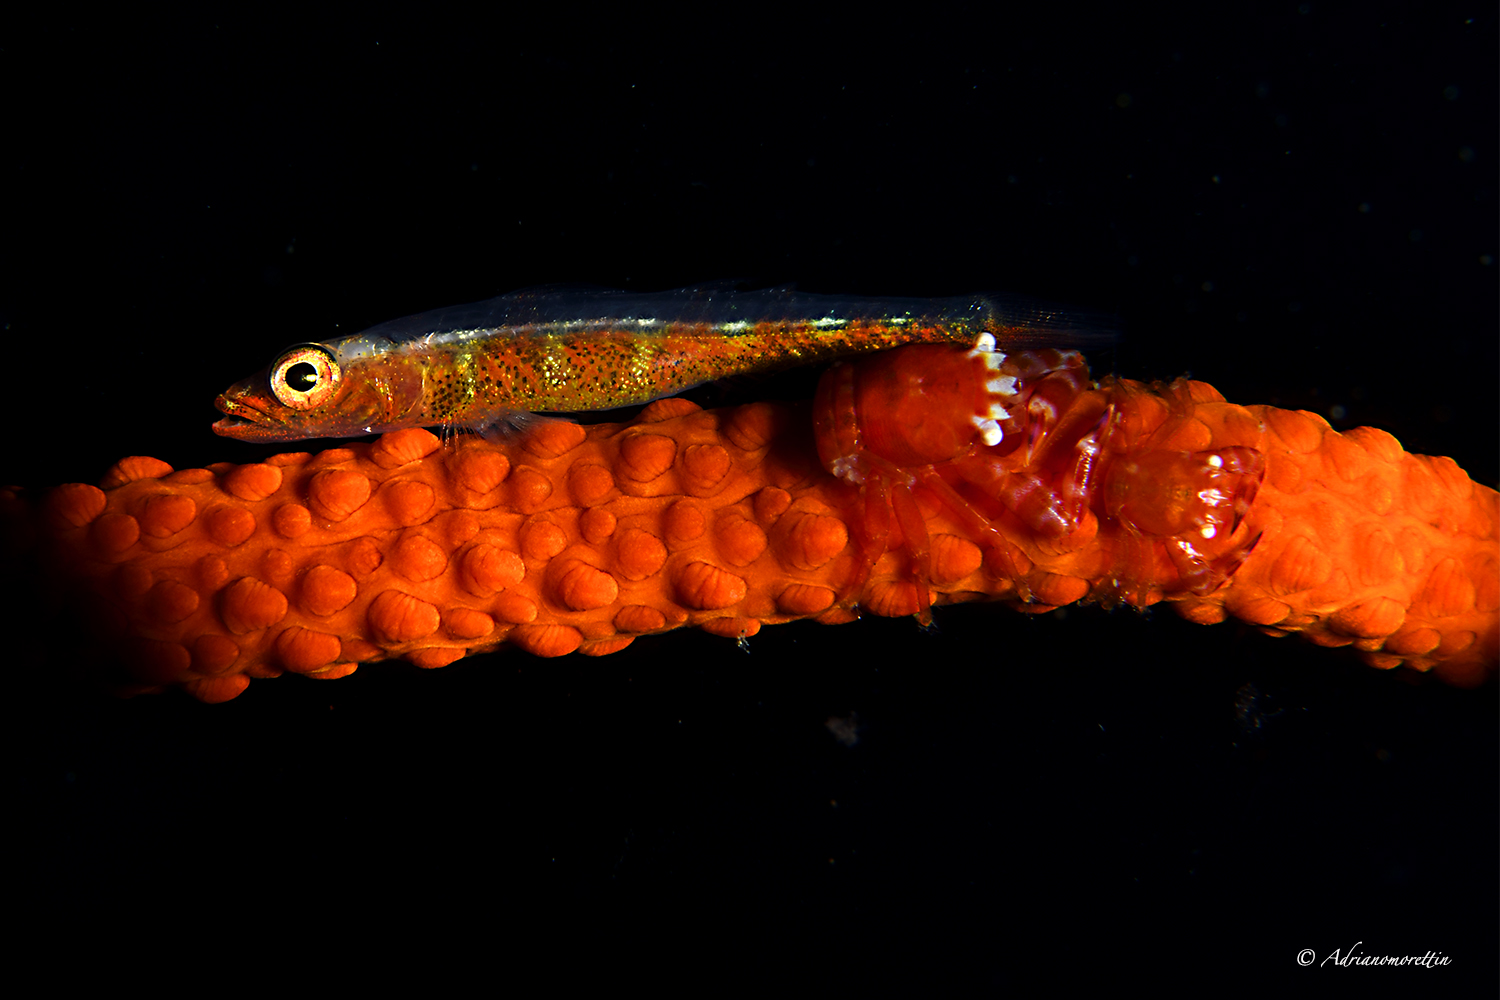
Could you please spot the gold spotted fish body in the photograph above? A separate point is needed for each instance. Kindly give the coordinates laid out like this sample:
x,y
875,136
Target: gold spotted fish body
x,y
479,366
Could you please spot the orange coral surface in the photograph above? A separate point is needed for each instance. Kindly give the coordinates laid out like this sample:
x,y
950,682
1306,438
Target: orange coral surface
x,y
579,539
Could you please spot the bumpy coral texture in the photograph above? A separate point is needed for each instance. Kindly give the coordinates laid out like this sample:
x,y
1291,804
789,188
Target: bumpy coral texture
x,y
579,539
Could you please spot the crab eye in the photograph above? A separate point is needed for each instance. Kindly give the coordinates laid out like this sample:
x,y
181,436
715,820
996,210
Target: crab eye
x,y
305,376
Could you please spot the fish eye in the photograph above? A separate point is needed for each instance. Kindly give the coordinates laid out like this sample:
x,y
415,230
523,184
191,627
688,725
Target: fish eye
x,y
305,376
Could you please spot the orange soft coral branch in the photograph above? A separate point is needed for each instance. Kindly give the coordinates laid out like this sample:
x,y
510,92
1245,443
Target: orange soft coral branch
x,y
580,539
1363,545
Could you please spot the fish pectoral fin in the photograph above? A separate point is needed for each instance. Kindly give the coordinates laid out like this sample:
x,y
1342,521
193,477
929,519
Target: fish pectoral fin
x,y
508,426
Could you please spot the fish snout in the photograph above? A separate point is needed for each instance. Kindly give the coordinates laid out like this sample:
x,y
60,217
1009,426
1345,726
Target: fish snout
x,y
244,414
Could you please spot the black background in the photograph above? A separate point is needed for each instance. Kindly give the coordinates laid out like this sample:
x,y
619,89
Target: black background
x,y
1294,203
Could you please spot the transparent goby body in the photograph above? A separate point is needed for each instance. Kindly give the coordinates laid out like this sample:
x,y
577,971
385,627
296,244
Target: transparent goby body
x,y
480,366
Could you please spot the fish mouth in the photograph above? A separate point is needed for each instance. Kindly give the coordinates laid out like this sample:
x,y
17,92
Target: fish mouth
x,y
238,417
